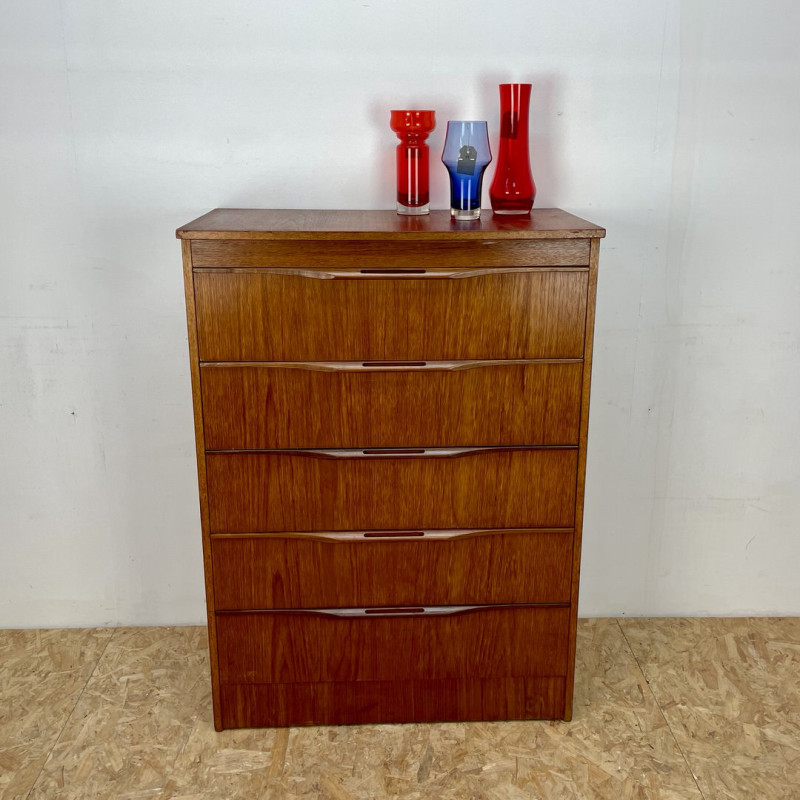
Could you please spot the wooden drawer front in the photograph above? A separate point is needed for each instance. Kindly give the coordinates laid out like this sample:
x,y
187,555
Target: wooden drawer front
x,y
490,642
275,406
491,253
280,317
306,572
349,703
297,491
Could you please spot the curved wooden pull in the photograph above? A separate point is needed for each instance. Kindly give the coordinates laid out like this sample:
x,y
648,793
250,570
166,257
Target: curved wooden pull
x,y
435,273
398,611
388,366
396,452
394,274
428,535
403,365
399,452
402,274
390,611
404,451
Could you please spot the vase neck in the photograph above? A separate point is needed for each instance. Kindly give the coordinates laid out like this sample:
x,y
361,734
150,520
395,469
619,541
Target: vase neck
x,y
413,138
514,110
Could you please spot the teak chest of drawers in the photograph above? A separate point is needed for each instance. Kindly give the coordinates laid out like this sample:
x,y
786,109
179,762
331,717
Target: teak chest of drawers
x,y
391,418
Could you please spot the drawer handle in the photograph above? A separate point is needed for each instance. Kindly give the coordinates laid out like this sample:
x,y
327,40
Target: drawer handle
x,y
381,272
391,611
400,452
407,451
339,537
412,452
394,610
402,611
435,273
436,452
388,366
398,274
395,364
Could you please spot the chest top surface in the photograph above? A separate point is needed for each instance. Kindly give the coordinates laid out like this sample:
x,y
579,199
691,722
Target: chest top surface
x,y
266,224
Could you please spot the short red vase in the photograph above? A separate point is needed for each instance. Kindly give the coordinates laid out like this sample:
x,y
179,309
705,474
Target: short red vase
x,y
513,190
412,128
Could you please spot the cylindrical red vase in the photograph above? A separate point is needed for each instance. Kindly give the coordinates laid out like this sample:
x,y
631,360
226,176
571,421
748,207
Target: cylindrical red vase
x,y
412,128
513,190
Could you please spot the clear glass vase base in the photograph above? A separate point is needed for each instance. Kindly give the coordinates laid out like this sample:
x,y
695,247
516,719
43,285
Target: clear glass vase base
x,y
465,213
505,212
413,211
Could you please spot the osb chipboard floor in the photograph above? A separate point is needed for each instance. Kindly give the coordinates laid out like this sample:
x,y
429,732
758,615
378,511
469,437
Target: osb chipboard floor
x,y
664,709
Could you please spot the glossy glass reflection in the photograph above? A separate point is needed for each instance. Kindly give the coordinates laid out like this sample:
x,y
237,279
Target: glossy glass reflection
x,y
513,190
412,128
466,156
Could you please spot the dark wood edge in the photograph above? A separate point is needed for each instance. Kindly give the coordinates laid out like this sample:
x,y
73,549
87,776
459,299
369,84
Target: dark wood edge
x,y
581,473
416,236
197,405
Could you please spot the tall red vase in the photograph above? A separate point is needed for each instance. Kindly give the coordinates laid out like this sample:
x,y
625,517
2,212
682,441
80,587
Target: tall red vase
x,y
513,190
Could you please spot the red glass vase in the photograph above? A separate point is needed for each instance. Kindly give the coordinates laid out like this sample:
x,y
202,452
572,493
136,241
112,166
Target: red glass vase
x,y
412,128
513,190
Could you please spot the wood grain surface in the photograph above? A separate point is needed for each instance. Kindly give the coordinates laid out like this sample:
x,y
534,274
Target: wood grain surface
x,y
581,467
278,317
331,225
390,412
294,491
491,642
500,253
199,433
303,572
285,704
302,405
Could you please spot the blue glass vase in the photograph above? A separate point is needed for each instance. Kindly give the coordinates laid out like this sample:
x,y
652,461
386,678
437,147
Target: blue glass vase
x,y
466,156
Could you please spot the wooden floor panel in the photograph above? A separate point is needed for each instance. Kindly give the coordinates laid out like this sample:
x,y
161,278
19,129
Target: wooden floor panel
x,y
655,701
730,690
42,675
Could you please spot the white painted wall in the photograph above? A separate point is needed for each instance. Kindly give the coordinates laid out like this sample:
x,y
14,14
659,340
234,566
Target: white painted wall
x,y
673,124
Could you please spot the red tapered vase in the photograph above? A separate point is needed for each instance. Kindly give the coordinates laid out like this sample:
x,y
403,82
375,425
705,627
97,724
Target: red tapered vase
x,y
513,190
